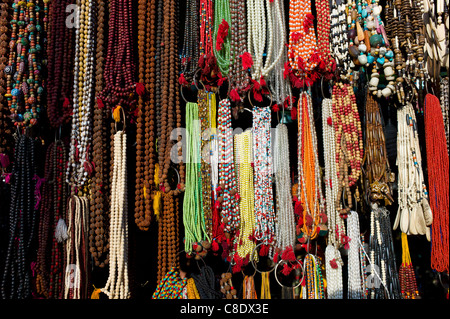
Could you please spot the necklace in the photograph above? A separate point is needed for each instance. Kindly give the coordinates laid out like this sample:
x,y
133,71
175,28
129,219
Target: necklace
x,y
445,109
285,219
414,214
339,39
190,52
243,150
171,286
437,163
407,276
314,279
333,268
356,283
327,64
262,159
222,36
117,285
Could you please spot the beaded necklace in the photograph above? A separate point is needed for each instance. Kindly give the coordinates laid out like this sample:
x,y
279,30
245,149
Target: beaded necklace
x,y
222,19
145,133
244,156
79,160
414,214
190,52
285,219
336,225
438,171
333,269
327,64
171,286
444,89
406,273
228,193
117,285
100,186
16,280
314,279
349,142
24,69
356,282
310,190
339,39
206,27
193,218
262,159
302,50
60,54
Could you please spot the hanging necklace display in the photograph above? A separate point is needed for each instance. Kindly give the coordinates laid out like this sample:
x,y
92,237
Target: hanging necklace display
x,y
52,226
226,286
101,139
414,215
327,65
145,133
243,148
310,188
171,286
190,52
314,288
263,177
25,69
60,66
17,277
285,219
80,167
333,271
117,285
438,171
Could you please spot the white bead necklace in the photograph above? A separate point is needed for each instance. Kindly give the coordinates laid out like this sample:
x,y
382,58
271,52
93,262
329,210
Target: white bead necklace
x,y
117,285
355,283
414,215
333,268
285,222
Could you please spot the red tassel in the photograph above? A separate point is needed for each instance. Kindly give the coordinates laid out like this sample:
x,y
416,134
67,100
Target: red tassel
x,y
182,80
215,246
221,34
287,70
264,250
275,108
66,102
100,103
333,263
221,80
247,60
286,270
296,36
140,89
275,258
329,121
294,113
234,95
288,254
262,81
257,95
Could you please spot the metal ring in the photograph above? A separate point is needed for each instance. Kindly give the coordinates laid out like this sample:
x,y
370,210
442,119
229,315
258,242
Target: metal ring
x,y
303,274
253,263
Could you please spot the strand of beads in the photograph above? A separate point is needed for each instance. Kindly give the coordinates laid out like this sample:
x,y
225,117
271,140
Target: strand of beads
x,y
335,223
117,285
79,159
171,286
310,189
256,35
75,272
406,273
193,218
60,54
228,197
302,41
278,84
190,52
323,38
262,159
438,175
314,280
339,39
356,286
244,156
24,70
414,214
333,270
285,220
17,278
206,27
222,53
445,109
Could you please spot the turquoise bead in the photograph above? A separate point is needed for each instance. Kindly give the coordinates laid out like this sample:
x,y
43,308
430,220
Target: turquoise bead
x,y
370,59
380,60
389,54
